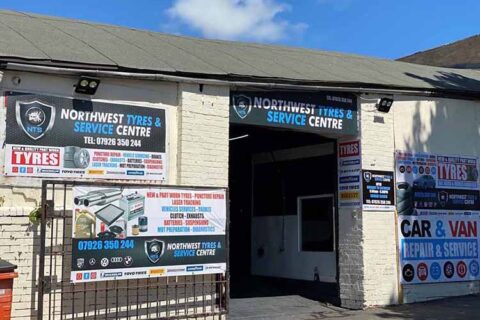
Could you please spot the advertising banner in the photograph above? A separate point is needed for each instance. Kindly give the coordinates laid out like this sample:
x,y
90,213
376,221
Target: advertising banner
x,y
314,111
438,247
132,233
425,181
349,171
438,211
378,190
57,137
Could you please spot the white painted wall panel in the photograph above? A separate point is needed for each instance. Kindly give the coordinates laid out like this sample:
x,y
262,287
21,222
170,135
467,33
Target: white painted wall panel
x,y
290,262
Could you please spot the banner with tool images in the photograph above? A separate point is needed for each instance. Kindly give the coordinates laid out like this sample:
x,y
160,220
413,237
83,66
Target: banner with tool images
x,y
134,232
56,137
438,205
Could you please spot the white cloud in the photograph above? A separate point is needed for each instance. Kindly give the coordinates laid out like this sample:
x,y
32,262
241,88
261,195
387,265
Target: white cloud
x,y
236,19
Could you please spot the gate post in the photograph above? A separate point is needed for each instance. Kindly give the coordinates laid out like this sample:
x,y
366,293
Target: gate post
x,y
41,268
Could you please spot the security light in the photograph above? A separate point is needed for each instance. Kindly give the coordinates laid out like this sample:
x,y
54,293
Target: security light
x,y
87,85
384,105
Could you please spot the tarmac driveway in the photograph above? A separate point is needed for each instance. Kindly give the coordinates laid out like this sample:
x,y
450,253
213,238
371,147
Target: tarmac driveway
x,y
297,307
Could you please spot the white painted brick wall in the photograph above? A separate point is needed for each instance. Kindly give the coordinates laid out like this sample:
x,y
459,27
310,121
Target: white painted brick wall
x,y
203,135
379,240
350,259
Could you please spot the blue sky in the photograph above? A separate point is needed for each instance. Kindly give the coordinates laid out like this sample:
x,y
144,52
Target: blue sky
x,y
381,28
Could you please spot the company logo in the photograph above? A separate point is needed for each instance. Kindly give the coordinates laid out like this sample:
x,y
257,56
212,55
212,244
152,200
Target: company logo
x,y
35,118
242,105
443,198
212,267
80,263
461,269
422,271
353,162
93,275
116,259
104,262
435,271
92,261
408,272
159,272
104,275
128,261
349,149
194,268
349,179
448,269
154,249
349,195
79,276
367,176
474,268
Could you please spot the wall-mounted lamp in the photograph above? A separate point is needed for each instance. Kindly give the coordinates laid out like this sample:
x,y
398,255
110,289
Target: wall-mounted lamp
x,y
384,104
87,85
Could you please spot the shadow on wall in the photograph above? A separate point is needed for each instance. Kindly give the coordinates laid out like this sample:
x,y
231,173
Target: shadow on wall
x,y
430,131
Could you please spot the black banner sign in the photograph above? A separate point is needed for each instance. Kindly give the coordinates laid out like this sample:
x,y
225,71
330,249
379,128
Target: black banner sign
x,y
50,136
307,111
378,190
147,252
446,199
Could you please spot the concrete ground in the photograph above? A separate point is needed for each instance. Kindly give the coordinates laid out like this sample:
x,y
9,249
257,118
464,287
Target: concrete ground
x,y
299,308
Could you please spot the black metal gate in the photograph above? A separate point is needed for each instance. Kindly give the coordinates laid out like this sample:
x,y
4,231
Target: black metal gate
x,y
174,297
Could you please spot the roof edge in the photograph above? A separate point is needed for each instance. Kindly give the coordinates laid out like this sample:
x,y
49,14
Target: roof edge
x,y
239,80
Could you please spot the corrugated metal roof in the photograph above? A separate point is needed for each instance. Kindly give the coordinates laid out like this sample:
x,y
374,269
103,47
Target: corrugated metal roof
x,y
57,41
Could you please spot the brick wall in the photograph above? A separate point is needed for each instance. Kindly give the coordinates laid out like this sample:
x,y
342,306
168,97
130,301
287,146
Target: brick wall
x,y
379,240
367,245
19,243
203,135
350,258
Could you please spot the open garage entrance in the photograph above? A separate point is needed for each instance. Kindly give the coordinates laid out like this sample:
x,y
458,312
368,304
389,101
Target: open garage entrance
x,y
282,211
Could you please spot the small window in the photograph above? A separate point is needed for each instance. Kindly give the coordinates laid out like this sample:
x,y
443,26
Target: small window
x,y
316,223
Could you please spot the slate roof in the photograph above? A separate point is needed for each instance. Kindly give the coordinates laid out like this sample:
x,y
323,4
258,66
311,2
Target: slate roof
x,y
32,38
462,54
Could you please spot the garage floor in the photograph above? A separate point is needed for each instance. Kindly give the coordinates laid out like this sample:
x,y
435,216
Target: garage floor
x,y
247,286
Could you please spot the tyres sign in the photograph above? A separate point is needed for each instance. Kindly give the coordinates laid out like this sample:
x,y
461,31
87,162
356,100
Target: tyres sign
x,y
60,137
349,171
